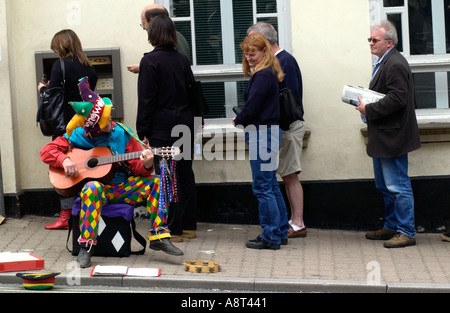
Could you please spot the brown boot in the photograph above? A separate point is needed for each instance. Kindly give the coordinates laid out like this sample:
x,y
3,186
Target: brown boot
x,y
189,234
399,241
445,236
380,234
62,222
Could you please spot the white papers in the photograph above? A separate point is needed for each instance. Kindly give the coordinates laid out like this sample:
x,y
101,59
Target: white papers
x,y
351,93
15,257
117,270
144,272
106,270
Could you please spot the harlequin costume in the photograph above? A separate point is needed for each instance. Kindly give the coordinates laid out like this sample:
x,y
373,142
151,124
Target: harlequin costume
x,y
132,183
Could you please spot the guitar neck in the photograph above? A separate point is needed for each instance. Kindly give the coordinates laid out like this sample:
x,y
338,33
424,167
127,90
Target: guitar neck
x,y
131,155
119,157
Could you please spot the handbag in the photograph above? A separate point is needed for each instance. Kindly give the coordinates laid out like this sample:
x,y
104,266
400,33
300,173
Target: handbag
x,y
197,99
51,109
198,102
290,108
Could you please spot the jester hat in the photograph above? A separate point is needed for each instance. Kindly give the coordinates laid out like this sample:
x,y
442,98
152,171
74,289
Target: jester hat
x,y
93,113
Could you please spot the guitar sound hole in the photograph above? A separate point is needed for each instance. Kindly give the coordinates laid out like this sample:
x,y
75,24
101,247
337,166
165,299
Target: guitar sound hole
x,y
92,163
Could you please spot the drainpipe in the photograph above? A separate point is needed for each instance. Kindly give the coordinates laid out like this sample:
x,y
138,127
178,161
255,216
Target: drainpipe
x,y
2,199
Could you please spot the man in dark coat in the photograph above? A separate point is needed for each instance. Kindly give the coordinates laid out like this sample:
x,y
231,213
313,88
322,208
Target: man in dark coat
x,y
392,134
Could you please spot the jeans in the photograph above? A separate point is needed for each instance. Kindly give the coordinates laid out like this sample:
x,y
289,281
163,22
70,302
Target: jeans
x,y
263,147
392,180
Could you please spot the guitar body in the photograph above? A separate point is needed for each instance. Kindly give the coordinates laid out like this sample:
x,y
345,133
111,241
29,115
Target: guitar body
x,y
68,186
96,164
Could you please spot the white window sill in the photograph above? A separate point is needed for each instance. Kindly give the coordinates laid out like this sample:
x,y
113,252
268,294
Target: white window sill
x,y
216,131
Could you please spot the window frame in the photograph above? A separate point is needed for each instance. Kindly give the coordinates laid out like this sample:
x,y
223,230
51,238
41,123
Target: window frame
x,y
434,125
231,72
437,63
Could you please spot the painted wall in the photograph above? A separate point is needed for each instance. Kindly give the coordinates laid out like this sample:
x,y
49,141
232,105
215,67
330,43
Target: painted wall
x,y
329,42
29,27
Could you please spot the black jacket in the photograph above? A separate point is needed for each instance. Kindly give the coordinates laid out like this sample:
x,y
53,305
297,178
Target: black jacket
x,y
163,95
391,122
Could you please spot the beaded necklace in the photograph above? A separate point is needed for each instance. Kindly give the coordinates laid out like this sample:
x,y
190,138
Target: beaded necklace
x,y
168,182
168,190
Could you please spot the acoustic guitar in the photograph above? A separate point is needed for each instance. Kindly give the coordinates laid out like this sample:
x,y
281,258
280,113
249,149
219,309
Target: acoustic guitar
x,y
95,164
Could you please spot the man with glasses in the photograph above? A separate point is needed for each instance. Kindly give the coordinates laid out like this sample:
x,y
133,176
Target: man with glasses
x,y
392,133
147,14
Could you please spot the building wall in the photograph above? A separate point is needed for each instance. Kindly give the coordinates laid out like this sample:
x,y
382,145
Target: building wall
x,y
9,153
30,26
329,42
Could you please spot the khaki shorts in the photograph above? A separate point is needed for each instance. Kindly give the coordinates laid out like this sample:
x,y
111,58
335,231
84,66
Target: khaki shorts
x,y
291,149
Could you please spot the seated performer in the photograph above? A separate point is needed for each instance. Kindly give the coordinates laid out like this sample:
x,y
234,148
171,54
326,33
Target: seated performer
x,y
132,182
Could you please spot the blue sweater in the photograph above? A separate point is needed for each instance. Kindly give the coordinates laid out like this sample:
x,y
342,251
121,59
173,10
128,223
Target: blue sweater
x,y
262,103
293,75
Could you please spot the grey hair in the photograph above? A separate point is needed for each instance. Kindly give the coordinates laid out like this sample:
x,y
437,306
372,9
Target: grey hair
x,y
389,28
265,29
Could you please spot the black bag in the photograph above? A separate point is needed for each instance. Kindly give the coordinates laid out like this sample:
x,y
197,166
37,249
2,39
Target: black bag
x,y
197,99
290,108
51,109
113,241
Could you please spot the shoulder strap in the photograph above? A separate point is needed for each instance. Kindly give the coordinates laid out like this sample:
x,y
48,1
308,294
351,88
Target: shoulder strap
x,y
138,238
68,234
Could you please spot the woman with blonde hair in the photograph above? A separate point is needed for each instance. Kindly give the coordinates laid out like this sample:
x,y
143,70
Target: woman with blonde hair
x,y
67,46
260,117
253,44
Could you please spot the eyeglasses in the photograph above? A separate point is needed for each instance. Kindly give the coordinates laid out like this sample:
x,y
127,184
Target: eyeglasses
x,y
374,40
144,24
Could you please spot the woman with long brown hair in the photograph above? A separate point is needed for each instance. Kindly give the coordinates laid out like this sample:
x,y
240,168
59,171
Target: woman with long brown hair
x,y
67,46
260,117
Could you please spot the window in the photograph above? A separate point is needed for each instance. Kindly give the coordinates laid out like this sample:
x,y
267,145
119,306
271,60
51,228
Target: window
x,y
214,30
423,27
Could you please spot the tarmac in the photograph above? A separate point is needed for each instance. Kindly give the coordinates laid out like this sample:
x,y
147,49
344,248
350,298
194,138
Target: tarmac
x,y
326,261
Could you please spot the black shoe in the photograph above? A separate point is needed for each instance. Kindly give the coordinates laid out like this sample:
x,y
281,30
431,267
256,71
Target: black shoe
x,y
166,246
284,242
84,256
260,243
